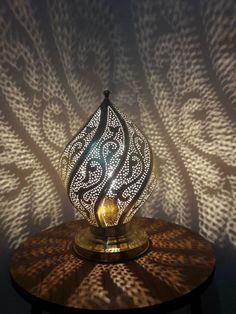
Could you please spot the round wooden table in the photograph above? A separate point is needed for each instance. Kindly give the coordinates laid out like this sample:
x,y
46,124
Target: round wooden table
x,y
175,271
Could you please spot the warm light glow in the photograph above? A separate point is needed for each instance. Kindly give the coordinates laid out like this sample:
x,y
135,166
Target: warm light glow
x,y
107,168
182,96
107,212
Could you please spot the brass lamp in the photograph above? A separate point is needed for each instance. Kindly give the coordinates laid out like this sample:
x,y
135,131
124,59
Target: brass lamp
x,y
107,169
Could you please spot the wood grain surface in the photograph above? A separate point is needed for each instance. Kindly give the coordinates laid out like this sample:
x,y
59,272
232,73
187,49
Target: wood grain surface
x,y
178,262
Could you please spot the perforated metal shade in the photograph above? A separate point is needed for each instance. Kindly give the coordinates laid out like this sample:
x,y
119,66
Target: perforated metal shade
x,y
107,168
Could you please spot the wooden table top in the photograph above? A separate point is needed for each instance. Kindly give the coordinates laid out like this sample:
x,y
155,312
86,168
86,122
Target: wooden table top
x,y
178,262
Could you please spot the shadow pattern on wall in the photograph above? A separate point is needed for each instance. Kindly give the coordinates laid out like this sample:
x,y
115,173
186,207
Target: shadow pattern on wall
x,y
171,67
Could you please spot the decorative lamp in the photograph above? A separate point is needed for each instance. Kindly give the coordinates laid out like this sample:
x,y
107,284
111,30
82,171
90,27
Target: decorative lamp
x,y
107,170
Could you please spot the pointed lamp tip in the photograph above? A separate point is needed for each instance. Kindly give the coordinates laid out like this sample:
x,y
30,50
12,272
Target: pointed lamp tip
x,y
106,93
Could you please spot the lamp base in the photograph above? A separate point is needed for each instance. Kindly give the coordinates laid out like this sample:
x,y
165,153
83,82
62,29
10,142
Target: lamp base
x,y
111,244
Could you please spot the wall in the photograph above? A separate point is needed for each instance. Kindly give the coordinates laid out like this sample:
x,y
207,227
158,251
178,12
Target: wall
x,y
170,66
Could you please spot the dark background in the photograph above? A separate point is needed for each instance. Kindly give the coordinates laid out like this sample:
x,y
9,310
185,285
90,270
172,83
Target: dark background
x,y
171,66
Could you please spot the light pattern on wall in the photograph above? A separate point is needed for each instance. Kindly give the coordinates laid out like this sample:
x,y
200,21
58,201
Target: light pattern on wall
x,y
171,67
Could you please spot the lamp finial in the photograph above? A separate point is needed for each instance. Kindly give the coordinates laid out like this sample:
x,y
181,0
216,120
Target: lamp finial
x,y
106,93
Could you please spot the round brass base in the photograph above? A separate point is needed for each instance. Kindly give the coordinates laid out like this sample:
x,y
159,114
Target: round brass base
x,y
111,244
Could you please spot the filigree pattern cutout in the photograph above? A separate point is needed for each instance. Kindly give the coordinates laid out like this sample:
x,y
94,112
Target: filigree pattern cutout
x,y
176,80
133,173
98,166
77,146
116,165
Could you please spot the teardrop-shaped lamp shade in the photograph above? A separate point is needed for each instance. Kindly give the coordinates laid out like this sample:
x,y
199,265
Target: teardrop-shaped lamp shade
x,y
107,168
